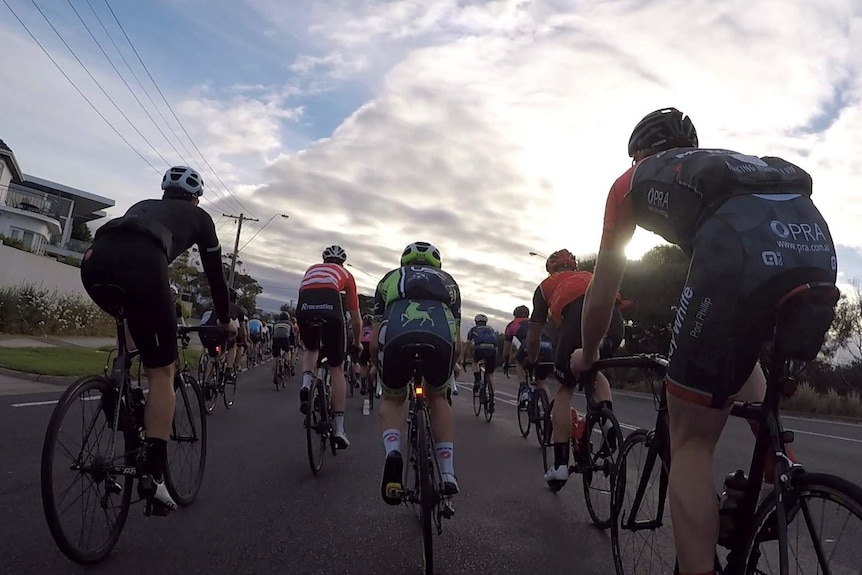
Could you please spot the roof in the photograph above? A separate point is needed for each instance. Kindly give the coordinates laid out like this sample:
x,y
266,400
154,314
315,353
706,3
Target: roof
x,y
85,203
6,151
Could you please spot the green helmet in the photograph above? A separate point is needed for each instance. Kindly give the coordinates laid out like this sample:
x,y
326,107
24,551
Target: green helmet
x,y
423,253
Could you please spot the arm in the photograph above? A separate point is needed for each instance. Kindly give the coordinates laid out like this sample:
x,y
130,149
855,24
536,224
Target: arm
x,y
210,252
353,308
377,318
507,352
537,322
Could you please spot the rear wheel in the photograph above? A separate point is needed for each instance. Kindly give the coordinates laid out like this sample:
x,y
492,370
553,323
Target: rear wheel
x,y
427,495
85,504
543,424
229,388
489,401
211,388
524,417
187,449
477,401
603,442
315,421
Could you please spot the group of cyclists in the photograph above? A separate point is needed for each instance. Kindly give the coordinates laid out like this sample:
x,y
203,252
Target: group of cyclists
x,y
747,224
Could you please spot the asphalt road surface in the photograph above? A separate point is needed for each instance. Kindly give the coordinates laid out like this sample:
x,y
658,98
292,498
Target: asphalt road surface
x,y
260,510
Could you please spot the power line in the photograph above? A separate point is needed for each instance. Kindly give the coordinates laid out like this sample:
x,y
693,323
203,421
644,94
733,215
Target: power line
x,y
87,70
77,89
159,90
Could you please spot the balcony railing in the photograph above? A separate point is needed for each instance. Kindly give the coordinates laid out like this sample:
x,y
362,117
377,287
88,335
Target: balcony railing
x,y
44,204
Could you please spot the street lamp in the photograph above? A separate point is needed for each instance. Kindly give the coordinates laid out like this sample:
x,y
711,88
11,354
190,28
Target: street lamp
x,y
538,255
361,270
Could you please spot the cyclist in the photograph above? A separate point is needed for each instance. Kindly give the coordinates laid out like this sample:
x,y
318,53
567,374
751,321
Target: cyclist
x,y
416,303
484,340
365,374
282,331
320,300
178,306
517,329
255,334
133,253
561,296
753,234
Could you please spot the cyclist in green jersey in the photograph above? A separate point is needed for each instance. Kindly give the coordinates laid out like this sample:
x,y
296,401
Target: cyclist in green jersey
x,y
416,303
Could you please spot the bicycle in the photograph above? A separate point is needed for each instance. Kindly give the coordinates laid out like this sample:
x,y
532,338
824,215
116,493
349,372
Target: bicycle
x,y
754,529
280,368
319,416
110,467
427,491
594,452
538,410
220,382
483,398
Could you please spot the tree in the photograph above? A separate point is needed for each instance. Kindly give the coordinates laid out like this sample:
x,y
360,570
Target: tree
x,y
289,308
846,332
81,232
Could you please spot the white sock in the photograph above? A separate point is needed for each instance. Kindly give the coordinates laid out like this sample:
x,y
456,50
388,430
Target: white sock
x,y
391,440
307,376
446,456
339,422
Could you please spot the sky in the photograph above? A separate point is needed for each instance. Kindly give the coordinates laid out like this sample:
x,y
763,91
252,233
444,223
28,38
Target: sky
x,y
488,128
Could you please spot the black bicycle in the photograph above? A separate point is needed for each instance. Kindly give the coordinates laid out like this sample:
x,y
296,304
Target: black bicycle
x,y
280,370
595,453
537,412
102,460
221,381
483,398
427,481
319,417
754,529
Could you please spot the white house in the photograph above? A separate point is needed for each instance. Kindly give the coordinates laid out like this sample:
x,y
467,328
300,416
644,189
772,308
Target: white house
x,y
41,213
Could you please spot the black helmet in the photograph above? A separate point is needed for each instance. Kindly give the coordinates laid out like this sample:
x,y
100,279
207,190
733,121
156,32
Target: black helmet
x,y
521,311
662,130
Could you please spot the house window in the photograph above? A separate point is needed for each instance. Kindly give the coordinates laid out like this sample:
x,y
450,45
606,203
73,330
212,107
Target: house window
x,y
16,233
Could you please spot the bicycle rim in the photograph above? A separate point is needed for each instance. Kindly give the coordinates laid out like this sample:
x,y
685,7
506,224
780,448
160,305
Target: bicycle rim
x,y
477,403
599,476
819,541
427,496
489,402
524,417
96,509
314,420
187,449
644,535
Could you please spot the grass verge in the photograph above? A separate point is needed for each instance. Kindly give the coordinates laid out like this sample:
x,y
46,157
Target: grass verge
x,y
67,360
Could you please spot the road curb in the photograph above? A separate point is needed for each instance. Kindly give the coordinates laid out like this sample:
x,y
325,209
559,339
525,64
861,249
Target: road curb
x,y
60,380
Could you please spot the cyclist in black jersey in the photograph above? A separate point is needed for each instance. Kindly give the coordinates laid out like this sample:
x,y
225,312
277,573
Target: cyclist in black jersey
x,y
133,253
753,235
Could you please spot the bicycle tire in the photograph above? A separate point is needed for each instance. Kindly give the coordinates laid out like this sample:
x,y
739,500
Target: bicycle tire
x,y
229,391
370,393
489,401
601,467
804,486
66,544
314,420
211,391
525,414
189,405
477,402
629,473
427,497
543,419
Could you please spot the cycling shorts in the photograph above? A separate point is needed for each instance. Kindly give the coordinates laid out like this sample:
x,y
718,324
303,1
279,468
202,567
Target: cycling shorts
x,y
255,337
322,305
569,340
137,264
486,353
748,255
546,355
280,344
429,323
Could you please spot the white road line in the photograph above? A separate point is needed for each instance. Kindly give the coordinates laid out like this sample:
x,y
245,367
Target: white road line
x,y
826,435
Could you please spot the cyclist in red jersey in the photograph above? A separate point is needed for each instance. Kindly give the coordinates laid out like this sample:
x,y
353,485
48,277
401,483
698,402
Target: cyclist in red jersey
x,y
320,300
561,296
734,215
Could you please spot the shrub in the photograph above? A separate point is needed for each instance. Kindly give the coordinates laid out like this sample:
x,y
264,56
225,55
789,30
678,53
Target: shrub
x,y
13,243
37,311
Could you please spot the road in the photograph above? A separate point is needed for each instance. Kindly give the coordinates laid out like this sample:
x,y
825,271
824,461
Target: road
x,y
261,511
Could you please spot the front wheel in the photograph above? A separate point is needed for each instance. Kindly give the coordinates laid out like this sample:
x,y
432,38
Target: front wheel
x,y
823,516
602,438
187,449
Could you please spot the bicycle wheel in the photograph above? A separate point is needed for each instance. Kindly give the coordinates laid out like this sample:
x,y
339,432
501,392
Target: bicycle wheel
x,y
603,442
427,496
315,422
369,392
641,539
819,550
489,401
187,449
477,402
229,391
543,419
211,390
83,459
525,416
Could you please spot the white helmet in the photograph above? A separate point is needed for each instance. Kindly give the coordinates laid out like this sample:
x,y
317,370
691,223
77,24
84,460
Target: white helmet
x,y
336,253
184,179
481,318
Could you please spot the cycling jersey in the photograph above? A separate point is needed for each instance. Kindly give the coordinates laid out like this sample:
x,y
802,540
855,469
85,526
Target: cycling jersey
x,y
556,292
331,277
282,329
517,328
482,336
417,282
752,233
255,326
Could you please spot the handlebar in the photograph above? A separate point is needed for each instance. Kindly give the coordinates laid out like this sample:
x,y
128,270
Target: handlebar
x,y
587,379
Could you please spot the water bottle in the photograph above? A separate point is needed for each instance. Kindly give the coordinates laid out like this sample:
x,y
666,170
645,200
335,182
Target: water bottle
x,y
366,407
734,490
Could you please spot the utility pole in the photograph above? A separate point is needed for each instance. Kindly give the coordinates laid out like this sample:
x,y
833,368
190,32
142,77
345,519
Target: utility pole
x,y
240,218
